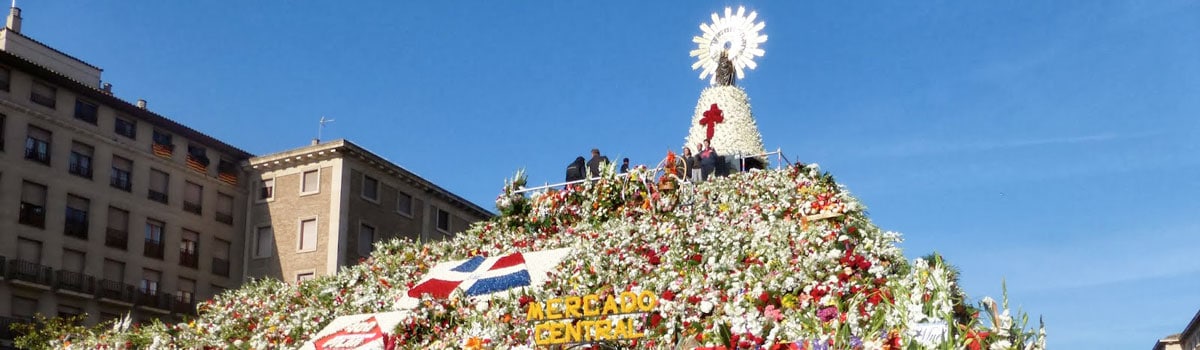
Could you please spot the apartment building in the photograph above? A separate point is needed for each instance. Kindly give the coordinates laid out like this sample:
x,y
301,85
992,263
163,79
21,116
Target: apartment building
x,y
106,207
321,207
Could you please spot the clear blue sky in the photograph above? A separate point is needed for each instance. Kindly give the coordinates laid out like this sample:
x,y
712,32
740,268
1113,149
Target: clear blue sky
x,y
1052,144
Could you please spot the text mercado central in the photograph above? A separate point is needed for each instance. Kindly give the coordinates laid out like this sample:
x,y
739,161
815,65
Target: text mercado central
x,y
577,319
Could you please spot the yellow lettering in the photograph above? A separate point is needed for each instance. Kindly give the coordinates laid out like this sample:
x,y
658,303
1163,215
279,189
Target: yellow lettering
x,y
572,333
647,301
620,329
552,313
610,306
535,312
633,334
556,332
540,333
590,302
572,309
628,302
603,330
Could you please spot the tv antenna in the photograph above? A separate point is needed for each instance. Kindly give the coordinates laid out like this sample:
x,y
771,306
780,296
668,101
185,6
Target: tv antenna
x,y
321,127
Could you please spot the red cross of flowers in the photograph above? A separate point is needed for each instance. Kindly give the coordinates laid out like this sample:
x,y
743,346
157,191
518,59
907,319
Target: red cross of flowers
x,y
711,118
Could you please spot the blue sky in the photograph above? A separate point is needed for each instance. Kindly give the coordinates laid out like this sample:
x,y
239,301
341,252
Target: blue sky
x,y
1052,145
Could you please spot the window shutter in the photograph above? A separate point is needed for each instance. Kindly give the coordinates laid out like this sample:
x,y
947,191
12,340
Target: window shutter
x,y
158,180
73,260
118,219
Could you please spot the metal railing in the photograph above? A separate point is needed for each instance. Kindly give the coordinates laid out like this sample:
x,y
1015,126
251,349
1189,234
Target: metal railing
x,y
115,290
75,281
30,272
157,196
116,239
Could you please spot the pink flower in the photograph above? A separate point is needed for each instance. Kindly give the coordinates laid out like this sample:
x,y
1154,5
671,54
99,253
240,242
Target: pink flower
x,y
773,313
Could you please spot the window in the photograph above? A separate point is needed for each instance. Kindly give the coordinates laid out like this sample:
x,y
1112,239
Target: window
x,y
73,260
197,158
188,249
267,190
158,186
3,122
224,208
150,279
220,260
85,111
193,196
153,246
81,160
305,276
24,308
227,172
264,242
308,235
114,271
43,94
37,145
33,205
117,234
66,311
404,203
126,127
5,75
121,169
443,220
162,145
370,189
310,182
366,239
76,224
186,294
29,250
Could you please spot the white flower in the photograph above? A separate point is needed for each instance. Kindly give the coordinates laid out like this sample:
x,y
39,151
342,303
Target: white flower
x,y
706,306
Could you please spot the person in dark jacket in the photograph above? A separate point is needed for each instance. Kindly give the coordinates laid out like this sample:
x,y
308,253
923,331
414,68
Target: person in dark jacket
x,y
625,165
684,168
593,165
708,161
575,170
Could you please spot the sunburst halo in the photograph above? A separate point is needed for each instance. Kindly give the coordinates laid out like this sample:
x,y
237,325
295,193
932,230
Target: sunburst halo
x,y
736,34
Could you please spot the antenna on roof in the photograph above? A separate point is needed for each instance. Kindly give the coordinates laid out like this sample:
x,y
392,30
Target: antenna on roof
x,y
321,127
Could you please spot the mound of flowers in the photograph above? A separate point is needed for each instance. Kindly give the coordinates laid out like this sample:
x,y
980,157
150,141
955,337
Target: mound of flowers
x,y
775,259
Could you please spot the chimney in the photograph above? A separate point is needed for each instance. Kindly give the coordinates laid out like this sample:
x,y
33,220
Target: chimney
x,y
141,103
107,87
316,141
14,18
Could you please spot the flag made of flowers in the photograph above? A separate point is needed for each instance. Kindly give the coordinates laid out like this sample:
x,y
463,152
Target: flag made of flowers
x,y
482,277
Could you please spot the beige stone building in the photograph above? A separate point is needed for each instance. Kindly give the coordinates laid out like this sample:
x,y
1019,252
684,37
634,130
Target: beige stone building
x,y
108,208
318,208
105,206
1189,339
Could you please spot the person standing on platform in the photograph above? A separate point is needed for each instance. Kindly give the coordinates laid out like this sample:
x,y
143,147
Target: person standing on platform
x,y
685,166
625,165
575,170
708,161
594,164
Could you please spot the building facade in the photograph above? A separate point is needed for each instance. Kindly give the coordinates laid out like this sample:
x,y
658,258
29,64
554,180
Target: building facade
x,y
107,208
319,208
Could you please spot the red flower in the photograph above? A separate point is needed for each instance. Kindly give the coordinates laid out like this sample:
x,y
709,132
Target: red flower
x,y
698,258
764,297
668,295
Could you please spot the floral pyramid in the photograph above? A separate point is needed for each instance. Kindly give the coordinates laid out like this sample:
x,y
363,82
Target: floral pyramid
x,y
774,259
736,133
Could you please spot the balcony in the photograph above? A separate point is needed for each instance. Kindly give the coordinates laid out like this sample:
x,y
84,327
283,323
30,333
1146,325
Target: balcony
x,y
6,332
184,304
157,196
153,299
120,180
76,227
220,267
80,170
115,238
225,218
40,156
191,207
37,274
189,259
197,163
116,291
32,215
75,282
153,249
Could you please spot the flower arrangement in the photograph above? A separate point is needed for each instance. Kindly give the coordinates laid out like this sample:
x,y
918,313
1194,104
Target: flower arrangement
x,y
772,259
